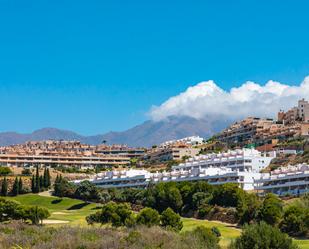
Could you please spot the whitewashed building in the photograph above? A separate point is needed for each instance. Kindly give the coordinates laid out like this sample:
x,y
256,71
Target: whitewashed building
x,y
239,160
291,180
142,178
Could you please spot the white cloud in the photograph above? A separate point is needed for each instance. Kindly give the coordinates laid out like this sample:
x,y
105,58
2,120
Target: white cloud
x,y
250,99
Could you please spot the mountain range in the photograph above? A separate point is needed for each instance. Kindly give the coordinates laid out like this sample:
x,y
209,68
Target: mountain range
x,y
144,135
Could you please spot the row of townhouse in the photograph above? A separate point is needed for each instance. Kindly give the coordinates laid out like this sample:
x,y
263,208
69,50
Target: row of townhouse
x,y
142,178
81,162
290,180
240,159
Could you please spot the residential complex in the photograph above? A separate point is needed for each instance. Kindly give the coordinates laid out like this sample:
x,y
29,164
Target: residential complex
x,y
67,153
193,140
172,153
291,180
142,178
249,160
239,166
244,131
252,130
296,114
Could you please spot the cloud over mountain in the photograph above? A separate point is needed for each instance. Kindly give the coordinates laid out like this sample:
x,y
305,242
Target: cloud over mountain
x,y
250,99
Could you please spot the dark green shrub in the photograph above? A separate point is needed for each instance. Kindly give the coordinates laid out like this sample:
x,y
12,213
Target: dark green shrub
x,y
171,220
262,236
148,217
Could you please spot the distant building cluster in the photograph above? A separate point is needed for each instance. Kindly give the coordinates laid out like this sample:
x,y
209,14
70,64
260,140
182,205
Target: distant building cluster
x,y
253,130
176,150
67,153
193,140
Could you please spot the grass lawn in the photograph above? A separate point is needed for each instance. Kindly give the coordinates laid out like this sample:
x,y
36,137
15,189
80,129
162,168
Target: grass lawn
x,y
66,209
227,232
303,244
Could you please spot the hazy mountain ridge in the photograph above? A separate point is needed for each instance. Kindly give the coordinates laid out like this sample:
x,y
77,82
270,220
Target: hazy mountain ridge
x,y
146,134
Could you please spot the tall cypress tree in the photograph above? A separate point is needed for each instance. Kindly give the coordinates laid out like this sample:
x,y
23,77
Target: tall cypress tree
x,y
15,189
37,180
20,186
41,182
45,178
33,189
4,187
48,178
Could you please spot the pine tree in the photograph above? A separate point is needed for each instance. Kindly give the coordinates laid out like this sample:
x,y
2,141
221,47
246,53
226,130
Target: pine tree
x,y
4,187
33,188
15,189
20,186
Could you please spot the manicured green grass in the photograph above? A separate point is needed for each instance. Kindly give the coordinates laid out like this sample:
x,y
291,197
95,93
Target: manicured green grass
x,y
303,244
228,232
66,209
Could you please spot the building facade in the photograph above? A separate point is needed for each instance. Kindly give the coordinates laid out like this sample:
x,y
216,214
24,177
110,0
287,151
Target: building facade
x,y
300,113
291,180
142,178
249,160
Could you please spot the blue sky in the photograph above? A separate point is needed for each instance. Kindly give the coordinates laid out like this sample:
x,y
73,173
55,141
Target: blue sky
x,y
96,66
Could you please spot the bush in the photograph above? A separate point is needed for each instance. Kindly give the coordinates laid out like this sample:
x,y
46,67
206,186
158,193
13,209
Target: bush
x,y
295,221
26,172
262,236
271,210
5,170
204,237
148,217
171,220
116,214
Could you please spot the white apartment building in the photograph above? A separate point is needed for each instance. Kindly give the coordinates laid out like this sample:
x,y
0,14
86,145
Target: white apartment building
x,y
142,178
292,180
193,140
249,160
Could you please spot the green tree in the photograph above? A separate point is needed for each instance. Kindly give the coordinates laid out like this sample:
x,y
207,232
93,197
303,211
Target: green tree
x,y
36,214
48,181
227,195
204,237
63,187
169,219
148,217
9,209
37,180
5,170
4,187
295,221
116,214
271,210
20,186
33,188
247,208
262,236
86,191
15,189
41,180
